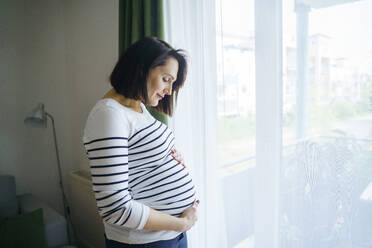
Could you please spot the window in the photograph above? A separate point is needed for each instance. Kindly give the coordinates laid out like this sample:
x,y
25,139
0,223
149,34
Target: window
x,y
327,124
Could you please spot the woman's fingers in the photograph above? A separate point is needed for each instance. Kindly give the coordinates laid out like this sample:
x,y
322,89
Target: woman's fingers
x,y
177,156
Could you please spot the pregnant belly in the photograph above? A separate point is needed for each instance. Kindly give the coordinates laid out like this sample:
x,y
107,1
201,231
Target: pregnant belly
x,y
167,188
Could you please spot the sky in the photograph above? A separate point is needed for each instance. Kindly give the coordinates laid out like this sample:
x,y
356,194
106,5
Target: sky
x,y
348,25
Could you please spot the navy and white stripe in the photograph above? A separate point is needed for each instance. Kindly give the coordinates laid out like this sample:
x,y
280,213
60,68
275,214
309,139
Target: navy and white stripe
x,y
132,167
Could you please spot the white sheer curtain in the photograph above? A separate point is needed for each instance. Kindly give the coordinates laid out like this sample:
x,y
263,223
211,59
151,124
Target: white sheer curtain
x,y
190,25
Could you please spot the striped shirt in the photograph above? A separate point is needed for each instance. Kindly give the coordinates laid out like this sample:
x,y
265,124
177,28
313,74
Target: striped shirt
x,y
133,169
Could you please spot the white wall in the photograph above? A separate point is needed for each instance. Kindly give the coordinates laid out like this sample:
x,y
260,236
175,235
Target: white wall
x,y
59,53
92,50
11,123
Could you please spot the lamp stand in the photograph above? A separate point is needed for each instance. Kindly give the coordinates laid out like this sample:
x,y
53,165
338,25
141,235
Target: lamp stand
x,y
66,210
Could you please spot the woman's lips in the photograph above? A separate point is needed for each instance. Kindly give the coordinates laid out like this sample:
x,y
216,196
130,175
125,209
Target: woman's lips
x,y
160,96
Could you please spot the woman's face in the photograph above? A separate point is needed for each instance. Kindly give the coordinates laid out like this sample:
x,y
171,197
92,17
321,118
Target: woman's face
x,y
160,81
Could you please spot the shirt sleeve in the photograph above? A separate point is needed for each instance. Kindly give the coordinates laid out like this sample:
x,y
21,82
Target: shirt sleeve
x,y
106,143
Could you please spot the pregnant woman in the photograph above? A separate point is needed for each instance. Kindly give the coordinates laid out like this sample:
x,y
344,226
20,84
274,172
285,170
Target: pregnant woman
x,y
144,194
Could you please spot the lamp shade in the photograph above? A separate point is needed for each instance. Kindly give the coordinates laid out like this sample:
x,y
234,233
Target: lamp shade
x,y
37,118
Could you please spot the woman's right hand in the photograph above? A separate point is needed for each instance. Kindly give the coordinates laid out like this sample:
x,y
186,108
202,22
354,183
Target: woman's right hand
x,y
161,221
190,216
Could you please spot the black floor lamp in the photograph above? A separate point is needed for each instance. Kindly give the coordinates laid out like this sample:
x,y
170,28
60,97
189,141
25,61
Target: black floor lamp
x,y
38,119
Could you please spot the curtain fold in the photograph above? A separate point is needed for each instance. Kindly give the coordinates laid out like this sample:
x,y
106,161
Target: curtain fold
x,y
191,26
138,19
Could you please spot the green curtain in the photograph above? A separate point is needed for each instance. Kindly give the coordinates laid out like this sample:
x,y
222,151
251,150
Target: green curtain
x,y
137,19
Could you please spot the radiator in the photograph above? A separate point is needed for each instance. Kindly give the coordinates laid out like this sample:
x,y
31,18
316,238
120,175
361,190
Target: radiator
x,y
87,223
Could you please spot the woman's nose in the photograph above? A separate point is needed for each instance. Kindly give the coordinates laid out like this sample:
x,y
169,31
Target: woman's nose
x,y
168,90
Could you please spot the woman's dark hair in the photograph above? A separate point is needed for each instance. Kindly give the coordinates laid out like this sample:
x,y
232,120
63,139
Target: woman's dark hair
x,y
129,77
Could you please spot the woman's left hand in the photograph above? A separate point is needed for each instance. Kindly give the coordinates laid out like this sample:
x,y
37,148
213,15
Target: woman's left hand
x,y
177,156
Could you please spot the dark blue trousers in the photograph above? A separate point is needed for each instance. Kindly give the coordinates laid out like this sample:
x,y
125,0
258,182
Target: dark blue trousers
x,y
178,242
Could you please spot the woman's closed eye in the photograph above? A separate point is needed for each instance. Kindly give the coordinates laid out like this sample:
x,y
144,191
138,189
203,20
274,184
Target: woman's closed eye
x,y
166,80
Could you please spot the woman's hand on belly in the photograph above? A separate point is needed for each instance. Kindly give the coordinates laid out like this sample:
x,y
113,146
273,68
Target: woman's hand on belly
x,y
190,216
160,221
177,156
